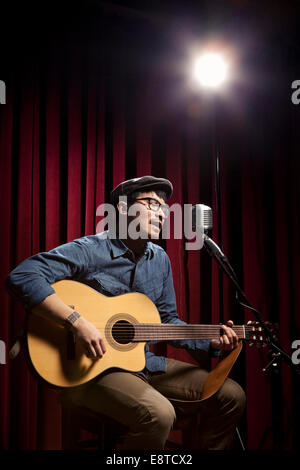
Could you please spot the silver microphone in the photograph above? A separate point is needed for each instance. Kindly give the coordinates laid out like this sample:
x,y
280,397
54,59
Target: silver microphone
x,y
202,218
203,223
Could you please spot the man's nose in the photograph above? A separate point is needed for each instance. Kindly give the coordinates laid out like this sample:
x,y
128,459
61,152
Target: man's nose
x,y
161,214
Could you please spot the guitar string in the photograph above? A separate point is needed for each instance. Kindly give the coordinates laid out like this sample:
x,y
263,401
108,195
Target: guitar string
x,y
162,330
135,331
138,327
175,331
172,325
169,329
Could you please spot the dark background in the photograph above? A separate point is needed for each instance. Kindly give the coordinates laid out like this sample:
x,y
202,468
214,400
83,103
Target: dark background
x,y
97,92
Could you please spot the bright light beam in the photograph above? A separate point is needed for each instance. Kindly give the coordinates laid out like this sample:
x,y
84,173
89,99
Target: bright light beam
x,y
211,70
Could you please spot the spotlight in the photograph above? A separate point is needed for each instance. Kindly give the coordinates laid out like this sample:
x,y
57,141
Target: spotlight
x,y
211,70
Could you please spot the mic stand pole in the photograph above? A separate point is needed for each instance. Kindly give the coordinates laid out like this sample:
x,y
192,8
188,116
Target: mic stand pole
x,y
216,152
277,353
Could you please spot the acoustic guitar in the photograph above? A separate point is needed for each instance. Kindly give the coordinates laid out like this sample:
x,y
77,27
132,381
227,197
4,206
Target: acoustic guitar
x,y
127,322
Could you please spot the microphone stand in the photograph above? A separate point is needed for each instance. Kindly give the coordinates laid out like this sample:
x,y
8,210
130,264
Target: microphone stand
x,y
276,354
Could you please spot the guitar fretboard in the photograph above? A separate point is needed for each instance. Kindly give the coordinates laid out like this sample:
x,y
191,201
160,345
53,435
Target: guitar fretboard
x,y
166,332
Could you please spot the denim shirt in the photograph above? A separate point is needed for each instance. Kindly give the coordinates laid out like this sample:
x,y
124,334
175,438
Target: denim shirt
x,y
109,266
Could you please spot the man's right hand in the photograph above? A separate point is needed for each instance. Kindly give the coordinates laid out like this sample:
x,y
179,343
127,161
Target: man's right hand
x,y
89,338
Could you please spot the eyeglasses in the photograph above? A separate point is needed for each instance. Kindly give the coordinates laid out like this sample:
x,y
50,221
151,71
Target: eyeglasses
x,y
155,206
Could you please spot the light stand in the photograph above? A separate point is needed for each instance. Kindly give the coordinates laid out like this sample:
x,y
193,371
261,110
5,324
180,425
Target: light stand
x,y
211,72
216,150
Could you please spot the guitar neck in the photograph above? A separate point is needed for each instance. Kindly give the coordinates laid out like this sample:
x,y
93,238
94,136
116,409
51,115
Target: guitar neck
x,y
167,332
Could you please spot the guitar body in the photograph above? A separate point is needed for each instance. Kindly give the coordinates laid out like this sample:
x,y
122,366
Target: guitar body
x,y
62,362
127,322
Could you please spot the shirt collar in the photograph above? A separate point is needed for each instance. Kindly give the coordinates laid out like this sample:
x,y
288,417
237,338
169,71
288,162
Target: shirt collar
x,y
118,248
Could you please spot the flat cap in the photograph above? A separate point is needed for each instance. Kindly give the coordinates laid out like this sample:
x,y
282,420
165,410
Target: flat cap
x,y
144,183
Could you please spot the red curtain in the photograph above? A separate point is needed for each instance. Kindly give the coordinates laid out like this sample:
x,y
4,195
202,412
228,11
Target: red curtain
x,y
87,108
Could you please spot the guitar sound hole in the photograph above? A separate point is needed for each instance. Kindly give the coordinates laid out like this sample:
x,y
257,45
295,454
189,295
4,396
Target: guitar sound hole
x,y
123,332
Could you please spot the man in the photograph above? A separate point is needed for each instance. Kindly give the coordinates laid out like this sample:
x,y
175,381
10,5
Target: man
x,y
113,266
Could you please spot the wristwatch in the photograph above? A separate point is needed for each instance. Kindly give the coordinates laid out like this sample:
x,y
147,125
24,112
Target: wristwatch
x,y
71,319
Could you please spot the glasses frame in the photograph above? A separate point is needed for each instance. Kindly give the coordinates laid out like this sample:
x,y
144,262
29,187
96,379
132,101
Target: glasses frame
x,y
164,207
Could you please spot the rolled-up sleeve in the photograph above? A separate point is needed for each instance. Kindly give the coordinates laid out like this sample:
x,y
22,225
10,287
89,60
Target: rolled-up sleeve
x,y
30,282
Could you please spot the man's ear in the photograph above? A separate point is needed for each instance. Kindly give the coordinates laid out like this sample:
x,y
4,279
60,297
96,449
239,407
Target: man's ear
x,y
122,207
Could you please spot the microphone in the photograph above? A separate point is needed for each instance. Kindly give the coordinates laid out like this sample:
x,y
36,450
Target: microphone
x,y
202,222
201,218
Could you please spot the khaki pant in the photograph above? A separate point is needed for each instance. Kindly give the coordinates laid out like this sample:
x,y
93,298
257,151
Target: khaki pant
x,y
148,408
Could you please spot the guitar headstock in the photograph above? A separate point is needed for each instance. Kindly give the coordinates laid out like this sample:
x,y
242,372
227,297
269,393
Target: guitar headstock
x,y
257,335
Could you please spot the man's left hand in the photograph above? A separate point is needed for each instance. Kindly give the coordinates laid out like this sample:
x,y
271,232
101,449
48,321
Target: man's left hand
x,y
228,340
